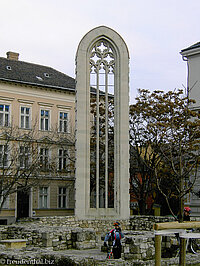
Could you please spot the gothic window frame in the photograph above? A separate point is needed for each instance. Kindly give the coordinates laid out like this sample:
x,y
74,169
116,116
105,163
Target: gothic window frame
x,y
102,59
83,123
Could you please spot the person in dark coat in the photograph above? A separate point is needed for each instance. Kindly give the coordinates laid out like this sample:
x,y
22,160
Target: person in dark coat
x,y
115,235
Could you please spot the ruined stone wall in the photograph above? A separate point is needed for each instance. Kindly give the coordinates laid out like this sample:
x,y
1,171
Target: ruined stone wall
x,y
64,233
136,222
67,232
58,238
138,245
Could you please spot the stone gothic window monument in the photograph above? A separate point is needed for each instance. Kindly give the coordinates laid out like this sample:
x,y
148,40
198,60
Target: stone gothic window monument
x,y
102,126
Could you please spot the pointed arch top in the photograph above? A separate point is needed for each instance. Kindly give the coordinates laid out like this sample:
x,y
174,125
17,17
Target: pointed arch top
x,y
103,32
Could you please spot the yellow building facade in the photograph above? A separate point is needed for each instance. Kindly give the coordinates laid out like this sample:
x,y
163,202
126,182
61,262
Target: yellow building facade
x,y
37,105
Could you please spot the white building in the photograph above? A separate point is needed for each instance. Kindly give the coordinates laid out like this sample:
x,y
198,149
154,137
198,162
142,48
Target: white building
x,y
192,56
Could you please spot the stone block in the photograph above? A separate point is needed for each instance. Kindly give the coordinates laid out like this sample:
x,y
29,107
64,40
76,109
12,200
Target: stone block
x,y
135,249
132,256
45,235
85,245
144,246
69,242
68,236
81,237
143,255
128,240
150,253
14,243
126,249
55,243
47,242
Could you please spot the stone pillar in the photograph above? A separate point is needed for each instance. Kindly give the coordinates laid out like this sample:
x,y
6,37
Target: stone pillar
x,y
114,46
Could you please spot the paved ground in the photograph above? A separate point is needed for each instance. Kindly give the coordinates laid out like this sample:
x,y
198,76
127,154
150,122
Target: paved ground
x,y
37,256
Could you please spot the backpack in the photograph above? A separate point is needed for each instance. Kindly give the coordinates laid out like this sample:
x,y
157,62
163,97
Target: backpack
x,y
115,236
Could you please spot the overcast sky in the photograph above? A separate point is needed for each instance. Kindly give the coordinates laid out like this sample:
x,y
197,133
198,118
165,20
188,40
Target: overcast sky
x,y
48,32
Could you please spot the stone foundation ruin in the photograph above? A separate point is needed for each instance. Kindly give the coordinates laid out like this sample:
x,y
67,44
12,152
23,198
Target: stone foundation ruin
x,y
70,240
67,233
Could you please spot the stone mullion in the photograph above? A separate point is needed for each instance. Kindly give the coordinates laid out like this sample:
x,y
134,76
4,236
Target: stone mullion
x,y
106,138
97,142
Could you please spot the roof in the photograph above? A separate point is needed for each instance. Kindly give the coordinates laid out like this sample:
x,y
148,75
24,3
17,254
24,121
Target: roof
x,y
37,75
33,74
194,46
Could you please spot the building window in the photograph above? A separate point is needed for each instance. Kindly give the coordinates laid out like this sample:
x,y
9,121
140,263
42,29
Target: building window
x,y
25,117
62,197
44,119
3,156
8,67
43,197
4,115
62,155
46,75
63,122
44,158
6,202
24,157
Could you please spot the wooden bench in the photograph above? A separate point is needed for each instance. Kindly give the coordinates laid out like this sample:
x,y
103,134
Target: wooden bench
x,y
14,243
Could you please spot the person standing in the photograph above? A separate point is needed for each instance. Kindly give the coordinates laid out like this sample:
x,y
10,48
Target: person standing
x,y
115,235
186,214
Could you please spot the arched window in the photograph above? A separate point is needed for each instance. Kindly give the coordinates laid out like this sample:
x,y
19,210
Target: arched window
x,y
102,76
102,126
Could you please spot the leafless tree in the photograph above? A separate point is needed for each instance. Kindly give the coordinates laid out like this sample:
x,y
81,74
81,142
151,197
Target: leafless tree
x,y
25,160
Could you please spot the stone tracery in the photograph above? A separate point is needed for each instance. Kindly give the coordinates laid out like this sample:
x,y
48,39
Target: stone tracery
x,y
102,65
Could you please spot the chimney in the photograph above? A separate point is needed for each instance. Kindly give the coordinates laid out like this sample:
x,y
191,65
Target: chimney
x,y
12,56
